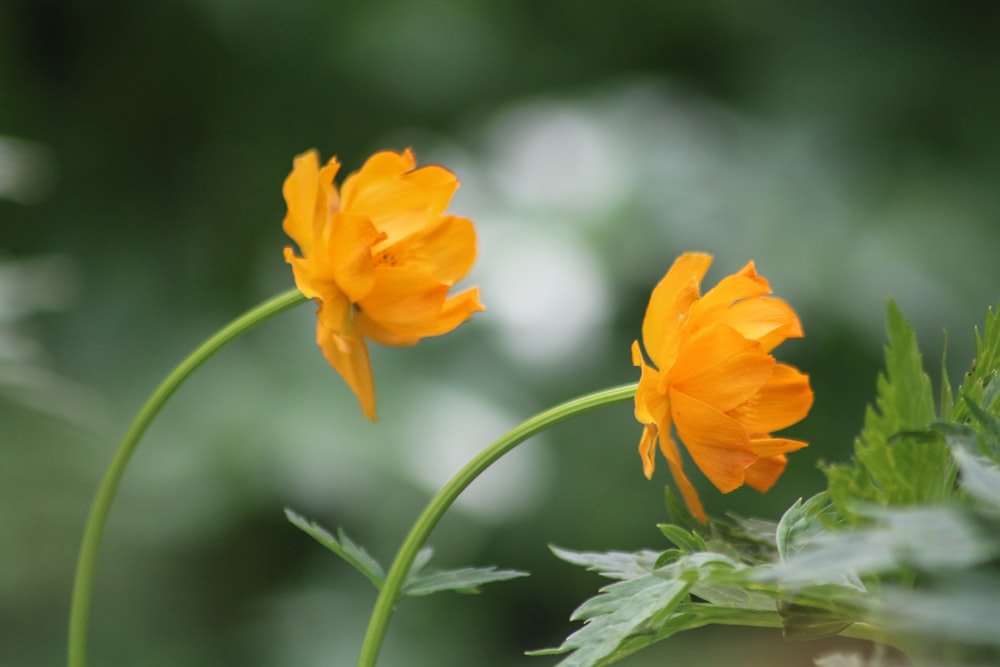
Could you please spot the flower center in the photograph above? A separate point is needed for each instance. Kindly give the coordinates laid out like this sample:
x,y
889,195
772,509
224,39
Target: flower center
x,y
385,257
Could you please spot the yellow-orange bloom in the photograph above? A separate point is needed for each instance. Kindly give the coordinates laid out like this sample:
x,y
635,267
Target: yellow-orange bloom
x,y
379,257
708,371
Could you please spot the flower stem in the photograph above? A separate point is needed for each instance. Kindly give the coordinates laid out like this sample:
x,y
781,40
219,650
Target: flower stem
x,y
439,504
87,560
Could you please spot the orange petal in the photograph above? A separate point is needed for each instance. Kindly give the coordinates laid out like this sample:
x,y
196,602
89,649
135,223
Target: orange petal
x,y
456,310
651,405
781,401
718,444
445,250
346,247
734,288
721,368
767,446
372,330
684,485
399,199
765,472
768,320
307,283
309,195
334,312
380,169
647,450
637,358
668,303
401,296
348,355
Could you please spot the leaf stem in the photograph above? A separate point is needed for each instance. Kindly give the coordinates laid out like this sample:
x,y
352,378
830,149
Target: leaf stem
x,y
440,503
87,559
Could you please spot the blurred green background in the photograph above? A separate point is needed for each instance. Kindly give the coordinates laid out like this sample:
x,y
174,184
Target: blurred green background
x,y
849,148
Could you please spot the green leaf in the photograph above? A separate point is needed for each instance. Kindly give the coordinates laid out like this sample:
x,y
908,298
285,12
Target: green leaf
x,y
342,546
752,532
653,605
461,580
800,523
611,564
850,487
619,612
984,368
895,462
904,401
689,542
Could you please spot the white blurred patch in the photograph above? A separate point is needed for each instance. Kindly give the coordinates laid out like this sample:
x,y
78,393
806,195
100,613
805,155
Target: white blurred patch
x,y
548,294
447,428
548,156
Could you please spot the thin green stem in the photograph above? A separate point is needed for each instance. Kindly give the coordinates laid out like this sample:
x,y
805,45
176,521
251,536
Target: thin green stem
x,y
439,504
87,561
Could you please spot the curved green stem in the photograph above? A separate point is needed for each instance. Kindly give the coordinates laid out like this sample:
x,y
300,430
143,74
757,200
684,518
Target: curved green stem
x,y
87,560
439,504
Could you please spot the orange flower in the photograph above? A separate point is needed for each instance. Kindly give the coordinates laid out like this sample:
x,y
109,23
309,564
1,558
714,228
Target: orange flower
x,y
708,371
379,257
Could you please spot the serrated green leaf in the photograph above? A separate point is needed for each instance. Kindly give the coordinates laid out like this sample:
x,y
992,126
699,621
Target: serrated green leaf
x,y
623,619
619,612
461,580
689,542
984,367
611,564
904,401
342,546
801,522
894,462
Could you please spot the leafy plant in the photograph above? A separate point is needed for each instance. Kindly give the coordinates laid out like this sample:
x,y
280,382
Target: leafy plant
x,y
902,548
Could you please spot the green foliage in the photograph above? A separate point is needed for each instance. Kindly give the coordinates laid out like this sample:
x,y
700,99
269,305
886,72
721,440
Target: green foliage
x,y
649,603
461,580
341,545
894,550
419,581
800,523
895,462
980,385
